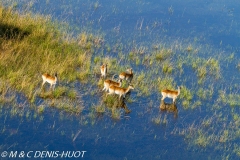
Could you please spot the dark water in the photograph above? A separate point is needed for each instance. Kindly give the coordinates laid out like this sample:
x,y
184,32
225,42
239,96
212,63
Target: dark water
x,y
210,21
134,136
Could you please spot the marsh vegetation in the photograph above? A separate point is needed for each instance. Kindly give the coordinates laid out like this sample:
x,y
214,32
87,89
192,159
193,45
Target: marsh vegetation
x,y
204,117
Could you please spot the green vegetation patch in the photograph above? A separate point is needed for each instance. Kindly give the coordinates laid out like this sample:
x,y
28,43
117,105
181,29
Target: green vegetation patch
x,y
32,45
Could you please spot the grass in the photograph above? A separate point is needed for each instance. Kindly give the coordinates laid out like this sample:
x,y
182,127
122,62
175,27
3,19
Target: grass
x,y
100,109
116,113
167,67
166,82
35,46
189,48
41,109
201,140
32,45
72,94
159,120
156,120
163,54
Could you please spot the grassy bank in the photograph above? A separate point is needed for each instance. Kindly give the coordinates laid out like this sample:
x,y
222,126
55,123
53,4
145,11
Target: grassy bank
x,y
32,45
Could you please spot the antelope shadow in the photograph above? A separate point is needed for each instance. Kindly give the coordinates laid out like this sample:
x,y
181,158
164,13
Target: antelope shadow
x,y
114,101
169,107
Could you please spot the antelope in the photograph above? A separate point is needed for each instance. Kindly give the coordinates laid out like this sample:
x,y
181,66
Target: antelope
x,y
127,76
119,91
103,70
170,94
108,83
50,79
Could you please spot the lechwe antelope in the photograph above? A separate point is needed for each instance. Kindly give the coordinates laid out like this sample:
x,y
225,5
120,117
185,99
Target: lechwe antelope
x,y
127,76
170,94
104,70
119,91
50,79
108,83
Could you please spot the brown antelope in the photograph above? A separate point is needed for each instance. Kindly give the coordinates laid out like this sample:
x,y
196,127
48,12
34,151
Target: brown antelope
x,y
104,70
170,94
127,76
119,91
50,79
108,83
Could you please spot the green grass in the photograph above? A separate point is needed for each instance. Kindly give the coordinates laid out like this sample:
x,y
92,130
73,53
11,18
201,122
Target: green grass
x,y
41,109
100,109
32,45
116,113
163,54
160,120
202,140
72,94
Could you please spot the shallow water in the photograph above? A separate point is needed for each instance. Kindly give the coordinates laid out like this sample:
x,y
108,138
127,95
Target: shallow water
x,y
135,135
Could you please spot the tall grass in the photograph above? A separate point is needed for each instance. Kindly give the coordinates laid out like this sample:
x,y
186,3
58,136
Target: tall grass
x,y
32,45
